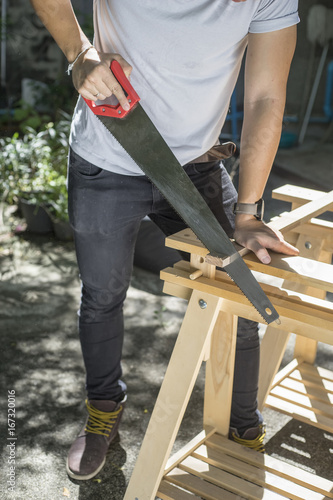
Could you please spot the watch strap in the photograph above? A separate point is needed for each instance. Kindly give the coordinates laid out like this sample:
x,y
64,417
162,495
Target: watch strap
x,y
256,209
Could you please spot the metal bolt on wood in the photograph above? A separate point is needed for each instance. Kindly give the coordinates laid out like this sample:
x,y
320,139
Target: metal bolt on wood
x,y
202,304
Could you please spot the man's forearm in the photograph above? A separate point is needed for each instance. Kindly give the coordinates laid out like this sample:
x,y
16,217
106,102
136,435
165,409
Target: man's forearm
x,y
259,142
267,67
59,19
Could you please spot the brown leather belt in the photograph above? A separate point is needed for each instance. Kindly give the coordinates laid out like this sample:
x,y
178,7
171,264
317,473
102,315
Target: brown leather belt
x,y
218,152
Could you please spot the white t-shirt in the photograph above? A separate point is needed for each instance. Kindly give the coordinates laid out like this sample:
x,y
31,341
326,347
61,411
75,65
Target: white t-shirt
x,y
186,56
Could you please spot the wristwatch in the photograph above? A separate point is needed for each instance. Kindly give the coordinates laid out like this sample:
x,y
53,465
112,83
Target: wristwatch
x,y
256,209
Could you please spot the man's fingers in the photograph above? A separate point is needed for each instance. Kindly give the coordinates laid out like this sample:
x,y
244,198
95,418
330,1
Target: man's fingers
x,y
260,252
113,85
94,79
282,246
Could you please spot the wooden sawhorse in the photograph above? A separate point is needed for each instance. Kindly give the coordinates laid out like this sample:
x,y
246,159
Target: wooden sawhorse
x,y
211,466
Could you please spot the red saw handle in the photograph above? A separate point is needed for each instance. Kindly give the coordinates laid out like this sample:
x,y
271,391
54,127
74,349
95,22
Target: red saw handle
x,y
116,111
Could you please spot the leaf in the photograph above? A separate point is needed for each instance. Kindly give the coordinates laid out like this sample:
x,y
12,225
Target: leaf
x,y
66,492
97,480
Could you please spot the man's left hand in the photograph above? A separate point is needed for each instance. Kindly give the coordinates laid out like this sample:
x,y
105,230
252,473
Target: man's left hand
x,y
257,236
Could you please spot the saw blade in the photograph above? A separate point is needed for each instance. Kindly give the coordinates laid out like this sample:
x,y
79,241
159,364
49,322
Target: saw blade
x,y
142,141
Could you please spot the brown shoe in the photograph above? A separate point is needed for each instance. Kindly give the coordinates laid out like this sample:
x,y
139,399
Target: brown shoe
x,y
252,438
87,454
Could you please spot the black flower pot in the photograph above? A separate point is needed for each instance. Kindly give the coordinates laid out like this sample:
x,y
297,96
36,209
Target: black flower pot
x,y
36,217
63,230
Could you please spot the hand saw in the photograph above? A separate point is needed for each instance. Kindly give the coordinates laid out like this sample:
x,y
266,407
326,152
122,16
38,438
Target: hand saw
x,y
136,133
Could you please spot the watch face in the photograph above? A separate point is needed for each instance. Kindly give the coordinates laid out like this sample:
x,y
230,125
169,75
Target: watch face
x,y
260,209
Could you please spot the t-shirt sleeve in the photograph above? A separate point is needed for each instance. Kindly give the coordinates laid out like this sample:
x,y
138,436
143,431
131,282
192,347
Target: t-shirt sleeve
x,y
273,15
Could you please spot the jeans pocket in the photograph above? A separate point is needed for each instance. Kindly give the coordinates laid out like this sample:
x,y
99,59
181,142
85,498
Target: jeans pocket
x,y
83,167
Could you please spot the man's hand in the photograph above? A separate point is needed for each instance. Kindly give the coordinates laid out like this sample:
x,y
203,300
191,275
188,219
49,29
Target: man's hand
x,y
258,237
94,80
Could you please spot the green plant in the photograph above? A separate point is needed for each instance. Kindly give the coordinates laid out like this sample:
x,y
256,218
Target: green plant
x,y
23,117
34,166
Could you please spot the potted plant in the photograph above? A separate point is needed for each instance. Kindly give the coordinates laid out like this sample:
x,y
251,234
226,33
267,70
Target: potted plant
x,y
33,171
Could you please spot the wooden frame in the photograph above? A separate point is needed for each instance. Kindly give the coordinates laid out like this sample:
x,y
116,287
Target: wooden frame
x,y
211,466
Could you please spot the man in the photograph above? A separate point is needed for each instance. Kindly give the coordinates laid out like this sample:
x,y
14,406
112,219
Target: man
x,y
183,57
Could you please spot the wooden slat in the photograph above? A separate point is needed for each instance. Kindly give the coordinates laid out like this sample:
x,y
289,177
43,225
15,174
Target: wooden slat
x,y
313,392
303,400
301,314
296,194
311,380
186,450
231,482
187,241
266,462
314,406
286,371
300,413
317,371
316,228
272,349
300,270
220,373
167,491
255,475
201,488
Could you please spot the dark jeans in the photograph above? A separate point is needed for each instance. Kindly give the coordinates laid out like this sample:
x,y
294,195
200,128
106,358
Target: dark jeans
x,y
106,210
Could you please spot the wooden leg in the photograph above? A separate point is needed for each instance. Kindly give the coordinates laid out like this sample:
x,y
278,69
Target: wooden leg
x,y
274,342
220,373
272,348
173,398
310,248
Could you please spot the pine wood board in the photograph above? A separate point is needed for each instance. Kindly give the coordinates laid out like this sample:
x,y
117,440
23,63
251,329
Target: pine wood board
x,y
227,481
255,475
297,269
296,194
271,464
305,392
168,491
299,313
274,487
201,488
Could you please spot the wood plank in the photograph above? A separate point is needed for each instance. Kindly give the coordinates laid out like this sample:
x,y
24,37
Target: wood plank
x,y
266,462
312,248
227,481
286,371
303,400
255,475
186,450
187,241
167,491
299,313
177,290
317,371
173,397
312,380
313,392
233,483
317,228
296,194
272,349
220,373
201,488
298,269
300,413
